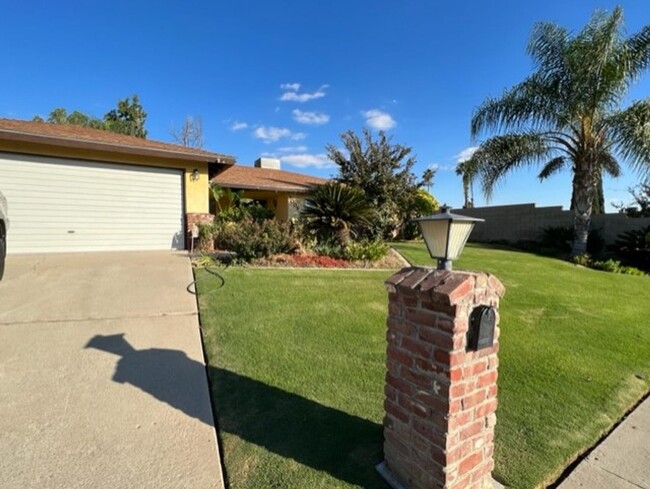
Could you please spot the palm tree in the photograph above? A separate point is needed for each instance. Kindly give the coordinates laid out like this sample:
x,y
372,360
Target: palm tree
x,y
467,170
334,209
567,114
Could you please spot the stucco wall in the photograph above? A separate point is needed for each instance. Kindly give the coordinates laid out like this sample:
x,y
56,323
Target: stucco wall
x,y
525,222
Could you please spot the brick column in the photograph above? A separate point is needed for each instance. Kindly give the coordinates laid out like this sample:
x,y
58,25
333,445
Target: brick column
x,y
192,219
440,398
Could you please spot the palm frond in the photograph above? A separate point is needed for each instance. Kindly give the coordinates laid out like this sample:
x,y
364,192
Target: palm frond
x,y
629,131
556,165
499,155
636,54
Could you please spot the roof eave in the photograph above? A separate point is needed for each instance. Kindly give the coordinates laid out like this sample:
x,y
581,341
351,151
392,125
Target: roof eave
x,y
113,148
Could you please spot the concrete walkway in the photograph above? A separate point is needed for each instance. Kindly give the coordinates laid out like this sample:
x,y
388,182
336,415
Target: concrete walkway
x,y
102,380
621,461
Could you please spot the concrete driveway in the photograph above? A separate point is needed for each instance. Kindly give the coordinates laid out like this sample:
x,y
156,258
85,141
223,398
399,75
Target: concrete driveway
x,y
102,380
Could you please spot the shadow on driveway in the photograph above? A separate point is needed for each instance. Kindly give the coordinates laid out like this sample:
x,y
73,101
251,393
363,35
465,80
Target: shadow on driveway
x,y
325,439
168,375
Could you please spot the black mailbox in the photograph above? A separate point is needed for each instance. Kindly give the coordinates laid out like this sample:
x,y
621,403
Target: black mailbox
x,y
481,328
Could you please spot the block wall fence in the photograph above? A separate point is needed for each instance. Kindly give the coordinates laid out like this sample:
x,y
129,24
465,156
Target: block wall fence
x,y
525,222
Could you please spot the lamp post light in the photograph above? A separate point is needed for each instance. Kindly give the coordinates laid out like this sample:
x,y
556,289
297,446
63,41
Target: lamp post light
x,y
445,235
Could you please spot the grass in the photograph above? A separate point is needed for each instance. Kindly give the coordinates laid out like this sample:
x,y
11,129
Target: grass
x,y
297,364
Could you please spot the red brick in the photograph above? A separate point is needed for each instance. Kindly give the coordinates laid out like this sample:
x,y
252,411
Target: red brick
x,y
469,462
397,443
434,279
487,379
394,308
473,399
400,356
460,419
409,301
410,284
472,429
398,277
454,288
401,326
420,316
416,378
455,374
394,410
496,285
428,365
437,337
486,408
492,391
481,472
458,452
423,428
440,406
399,384
417,347
390,392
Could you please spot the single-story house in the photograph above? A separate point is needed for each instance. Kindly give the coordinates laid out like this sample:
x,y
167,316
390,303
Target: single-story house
x,y
71,188
281,191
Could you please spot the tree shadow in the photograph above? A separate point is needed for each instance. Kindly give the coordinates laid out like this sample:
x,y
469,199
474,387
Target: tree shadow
x,y
168,375
345,446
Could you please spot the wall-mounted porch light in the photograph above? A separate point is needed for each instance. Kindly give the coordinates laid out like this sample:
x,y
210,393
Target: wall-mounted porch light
x,y
196,174
445,235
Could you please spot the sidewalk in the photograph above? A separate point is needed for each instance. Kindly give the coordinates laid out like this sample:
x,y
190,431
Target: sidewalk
x,y
621,461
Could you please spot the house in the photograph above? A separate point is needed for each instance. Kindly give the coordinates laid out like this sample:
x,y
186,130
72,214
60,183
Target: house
x,y
71,188
281,191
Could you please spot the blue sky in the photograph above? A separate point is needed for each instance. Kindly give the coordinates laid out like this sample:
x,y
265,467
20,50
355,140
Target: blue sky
x,y
285,78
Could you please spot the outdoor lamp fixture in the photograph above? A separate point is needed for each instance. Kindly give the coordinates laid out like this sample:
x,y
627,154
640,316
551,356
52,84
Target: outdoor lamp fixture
x,y
445,235
196,174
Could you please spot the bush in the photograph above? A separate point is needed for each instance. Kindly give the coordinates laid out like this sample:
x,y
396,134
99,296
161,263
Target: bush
x,y
332,250
251,239
615,266
582,260
560,238
633,247
369,251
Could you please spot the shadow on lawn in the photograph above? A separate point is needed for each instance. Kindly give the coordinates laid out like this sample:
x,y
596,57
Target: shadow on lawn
x,y
345,446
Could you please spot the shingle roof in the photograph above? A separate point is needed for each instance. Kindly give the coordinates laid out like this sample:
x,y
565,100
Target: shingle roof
x,y
251,178
84,137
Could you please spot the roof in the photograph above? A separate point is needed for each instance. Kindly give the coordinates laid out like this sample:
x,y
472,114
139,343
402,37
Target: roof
x,y
67,135
251,178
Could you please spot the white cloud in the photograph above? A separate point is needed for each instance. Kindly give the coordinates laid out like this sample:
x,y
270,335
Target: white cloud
x,y
293,149
272,134
306,160
292,87
238,126
294,96
314,118
437,167
379,120
466,154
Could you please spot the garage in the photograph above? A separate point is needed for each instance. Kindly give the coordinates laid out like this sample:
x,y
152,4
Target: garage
x,y
60,205
76,189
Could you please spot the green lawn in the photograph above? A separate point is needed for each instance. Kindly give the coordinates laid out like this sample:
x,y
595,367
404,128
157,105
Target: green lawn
x,y
296,365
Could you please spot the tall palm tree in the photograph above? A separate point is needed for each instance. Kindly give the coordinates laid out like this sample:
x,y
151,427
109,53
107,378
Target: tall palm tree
x,y
467,171
567,114
334,209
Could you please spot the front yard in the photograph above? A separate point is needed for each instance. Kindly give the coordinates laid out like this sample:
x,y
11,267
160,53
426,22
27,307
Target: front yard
x,y
297,366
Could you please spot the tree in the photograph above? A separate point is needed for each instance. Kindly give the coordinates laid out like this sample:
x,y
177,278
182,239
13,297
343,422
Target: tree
x,y
383,171
190,133
567,114
334,210
129,118
641,205
427,178
467,171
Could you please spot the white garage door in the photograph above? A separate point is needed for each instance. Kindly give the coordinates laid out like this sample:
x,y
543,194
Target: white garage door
x,y
60,205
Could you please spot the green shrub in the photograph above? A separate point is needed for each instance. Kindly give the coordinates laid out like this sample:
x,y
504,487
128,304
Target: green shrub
x,y
332,250
633,247
615,266
252,239
560,238
370,251
582,260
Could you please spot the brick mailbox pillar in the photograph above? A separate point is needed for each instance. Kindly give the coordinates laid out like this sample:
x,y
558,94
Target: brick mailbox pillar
x,y
441,397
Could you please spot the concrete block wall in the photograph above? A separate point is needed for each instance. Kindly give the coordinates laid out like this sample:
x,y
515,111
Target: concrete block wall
x,y
526,222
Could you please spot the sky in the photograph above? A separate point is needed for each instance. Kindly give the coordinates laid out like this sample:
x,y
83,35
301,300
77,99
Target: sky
x,y
286,78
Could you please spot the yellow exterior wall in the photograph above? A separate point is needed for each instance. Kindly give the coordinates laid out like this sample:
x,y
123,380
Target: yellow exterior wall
x,y
196,192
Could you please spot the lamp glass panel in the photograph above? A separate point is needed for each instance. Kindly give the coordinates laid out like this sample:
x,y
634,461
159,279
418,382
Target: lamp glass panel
x,y
460,231
435,236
